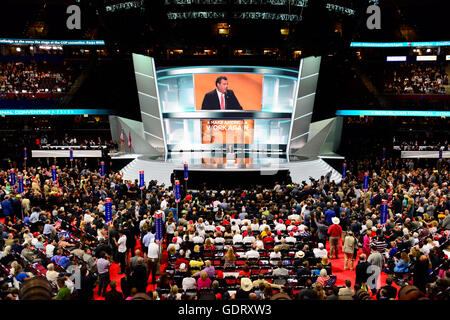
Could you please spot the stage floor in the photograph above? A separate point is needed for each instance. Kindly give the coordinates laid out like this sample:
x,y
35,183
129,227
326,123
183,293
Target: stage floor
x,y
264,164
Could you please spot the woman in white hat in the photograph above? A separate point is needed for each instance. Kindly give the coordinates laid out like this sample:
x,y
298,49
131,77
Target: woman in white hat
x,y
243,292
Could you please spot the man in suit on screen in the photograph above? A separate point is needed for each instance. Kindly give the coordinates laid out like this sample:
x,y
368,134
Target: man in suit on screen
x,y
221,98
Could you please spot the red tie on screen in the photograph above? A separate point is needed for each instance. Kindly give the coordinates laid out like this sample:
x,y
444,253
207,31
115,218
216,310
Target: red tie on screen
x,y
222,103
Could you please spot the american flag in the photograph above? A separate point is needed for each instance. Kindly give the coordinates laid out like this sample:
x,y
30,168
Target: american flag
x,y
122,138
129,139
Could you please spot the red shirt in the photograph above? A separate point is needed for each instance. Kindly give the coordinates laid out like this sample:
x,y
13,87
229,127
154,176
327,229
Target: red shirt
x,y
268,239
335,230
179,261
243,273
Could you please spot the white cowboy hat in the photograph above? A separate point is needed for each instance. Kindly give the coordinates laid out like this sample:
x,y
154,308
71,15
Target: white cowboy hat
x,y
246,284
300,254
335,220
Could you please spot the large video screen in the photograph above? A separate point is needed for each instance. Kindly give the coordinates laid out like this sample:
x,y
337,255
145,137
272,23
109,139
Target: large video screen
x,y
228,91
204,107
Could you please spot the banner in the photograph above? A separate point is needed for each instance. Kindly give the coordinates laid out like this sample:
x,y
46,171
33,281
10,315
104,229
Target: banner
x,y
177,191
141,180
102,169
158,226
186,173
227,131
366,182
66,234
344,170
20,190
13,178
71,154
108,210
54,174
25,155
384,212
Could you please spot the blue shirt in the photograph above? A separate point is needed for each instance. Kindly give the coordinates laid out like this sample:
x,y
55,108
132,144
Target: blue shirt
x,y
148,238
328,215
22,276
61,260
48,228
306,215
175,214
26,220
7,207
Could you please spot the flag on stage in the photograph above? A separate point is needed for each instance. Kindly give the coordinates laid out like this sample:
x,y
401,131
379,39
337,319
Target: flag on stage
x,y
129,140
122,139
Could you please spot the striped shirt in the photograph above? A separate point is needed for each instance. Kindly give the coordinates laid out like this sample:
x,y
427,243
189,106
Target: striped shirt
x,y
381,246
103,265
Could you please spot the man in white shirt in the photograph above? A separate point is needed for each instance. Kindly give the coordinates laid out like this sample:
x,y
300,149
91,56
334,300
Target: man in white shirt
x,y
252,253
49,249
291,239
121,250
209,227
235,224
249,238
197,238
153,256
320,252
51,274
237,237
279,225
263,226
164,203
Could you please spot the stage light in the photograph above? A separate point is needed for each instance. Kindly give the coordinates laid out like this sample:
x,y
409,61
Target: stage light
x,y
284,31
224,31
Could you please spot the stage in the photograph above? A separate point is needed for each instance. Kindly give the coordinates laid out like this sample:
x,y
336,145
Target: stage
x,y
207,166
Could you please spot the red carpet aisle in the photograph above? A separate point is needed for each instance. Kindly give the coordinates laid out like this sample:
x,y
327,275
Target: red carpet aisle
x,y
115,269
337,268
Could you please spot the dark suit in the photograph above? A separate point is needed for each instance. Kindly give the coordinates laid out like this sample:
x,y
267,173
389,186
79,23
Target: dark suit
x,y
211,101
361,272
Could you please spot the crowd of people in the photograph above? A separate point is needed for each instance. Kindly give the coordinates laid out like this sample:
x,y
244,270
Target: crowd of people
x,y
29,80
422,146
254,242
412,78
46,142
